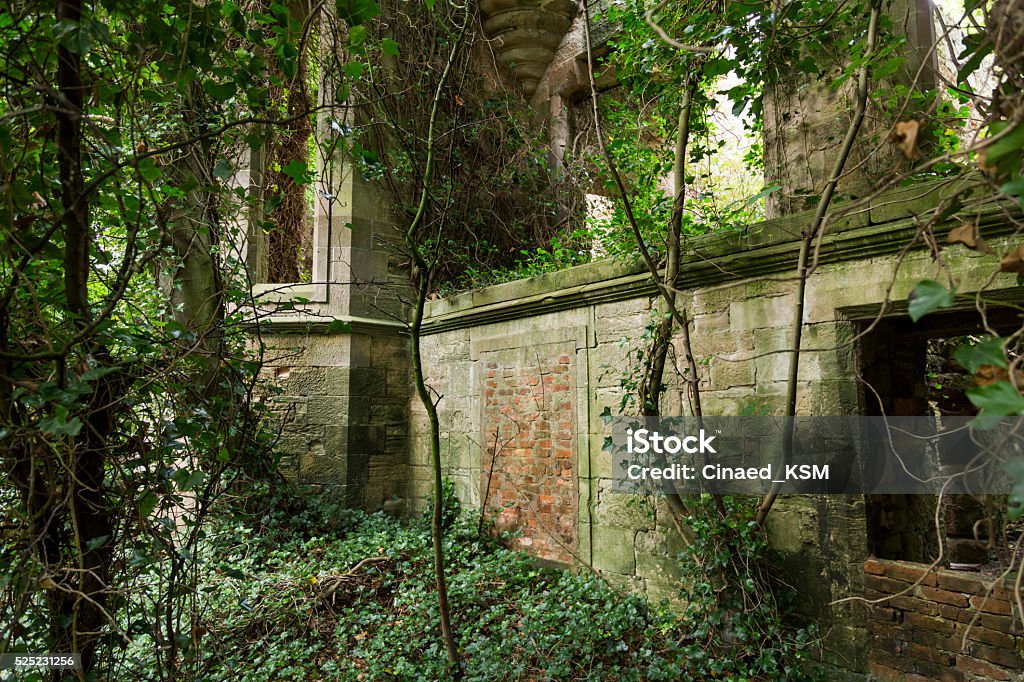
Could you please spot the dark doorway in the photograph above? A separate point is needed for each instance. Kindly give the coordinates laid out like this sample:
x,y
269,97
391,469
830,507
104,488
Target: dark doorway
x,y
908,369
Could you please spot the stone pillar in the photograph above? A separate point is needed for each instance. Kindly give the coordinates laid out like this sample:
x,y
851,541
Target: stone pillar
x,y
336,351
806,119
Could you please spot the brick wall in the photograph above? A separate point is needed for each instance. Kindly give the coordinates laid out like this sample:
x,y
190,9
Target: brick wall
x,y
528,472
927,633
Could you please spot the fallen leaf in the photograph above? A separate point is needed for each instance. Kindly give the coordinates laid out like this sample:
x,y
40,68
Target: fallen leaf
x,y
904,135
983,163
1013,261
968,235
989,374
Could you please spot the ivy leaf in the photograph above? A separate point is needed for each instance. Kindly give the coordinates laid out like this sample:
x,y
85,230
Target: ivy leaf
x,y
1007,144
354,69
1013,261
904,136
223,170
187,480
356,36
357,12
339,327
221,92
1015,506
977,54
148,170
1000,399
927,297
60,425
1014,188
988,352
147,503
389,47
298,171
968,235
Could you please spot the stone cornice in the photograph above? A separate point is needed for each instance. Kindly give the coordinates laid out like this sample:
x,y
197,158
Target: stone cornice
x,y
880,227
326,324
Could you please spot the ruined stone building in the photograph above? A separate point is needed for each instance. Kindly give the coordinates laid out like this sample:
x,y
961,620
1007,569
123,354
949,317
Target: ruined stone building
x,y
524,370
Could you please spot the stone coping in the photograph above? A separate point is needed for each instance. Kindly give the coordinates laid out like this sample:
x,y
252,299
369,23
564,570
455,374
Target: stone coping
x,y
302,323
854,231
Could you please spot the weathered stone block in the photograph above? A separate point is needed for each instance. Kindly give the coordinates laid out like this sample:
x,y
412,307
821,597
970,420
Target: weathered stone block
x,y
730,371
613,549
761,313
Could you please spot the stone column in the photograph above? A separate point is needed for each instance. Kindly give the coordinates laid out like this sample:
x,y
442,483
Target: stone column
x,y
806,119
337,350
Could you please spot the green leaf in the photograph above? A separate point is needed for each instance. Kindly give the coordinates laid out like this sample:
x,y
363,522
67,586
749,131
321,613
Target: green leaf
x,y
187,480
221,92
60,425
389,47
339,327
1011,142
987,352
763,193
889,66
148,169
354,69
357,12
356,36
298,171
1015,508
147,503
927,297
999,399
971,65
223,170
1014,188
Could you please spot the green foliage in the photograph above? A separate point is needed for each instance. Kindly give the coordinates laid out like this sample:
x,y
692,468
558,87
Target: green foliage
x,y
734,608
451,508
283,602
928,296
494,205
128,400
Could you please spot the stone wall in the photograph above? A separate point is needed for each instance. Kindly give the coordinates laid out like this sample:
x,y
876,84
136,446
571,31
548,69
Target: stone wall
x,y
945,625
342,401
496,357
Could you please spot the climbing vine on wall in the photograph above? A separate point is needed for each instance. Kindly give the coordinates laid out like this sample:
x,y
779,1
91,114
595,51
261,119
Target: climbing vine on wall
x,y
495,194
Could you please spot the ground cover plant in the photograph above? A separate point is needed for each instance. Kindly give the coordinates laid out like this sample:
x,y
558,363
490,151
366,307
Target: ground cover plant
x,y
307,591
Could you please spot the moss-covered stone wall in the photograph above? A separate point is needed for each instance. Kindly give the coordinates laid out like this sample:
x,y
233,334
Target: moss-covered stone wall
x,y
740,293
